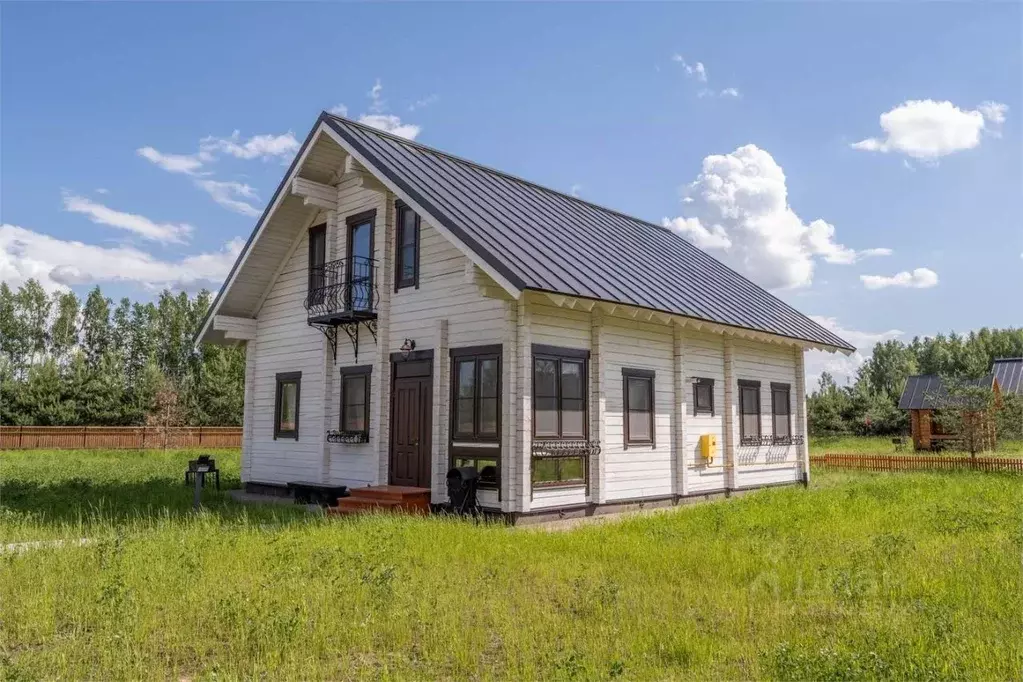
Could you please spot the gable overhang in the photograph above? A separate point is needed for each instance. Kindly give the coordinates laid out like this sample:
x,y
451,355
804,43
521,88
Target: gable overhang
x,y
476,254
209,331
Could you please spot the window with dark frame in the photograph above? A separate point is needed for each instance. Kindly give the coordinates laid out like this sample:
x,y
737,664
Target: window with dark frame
x,y
476,411
355,390
638,401
359,260
703,397
286,404
406,248
317,261
781,413
749,411
559,411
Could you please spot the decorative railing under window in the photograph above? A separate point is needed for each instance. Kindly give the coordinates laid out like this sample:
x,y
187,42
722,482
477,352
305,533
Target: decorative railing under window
x,y
562,462
769,441
343,294
347,437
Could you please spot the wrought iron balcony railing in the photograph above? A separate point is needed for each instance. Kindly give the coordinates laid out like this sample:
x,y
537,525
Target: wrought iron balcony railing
x,y
768,441
342,291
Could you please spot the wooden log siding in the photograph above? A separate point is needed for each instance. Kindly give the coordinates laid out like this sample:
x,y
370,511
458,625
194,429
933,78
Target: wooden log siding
x,y
117,437
886,463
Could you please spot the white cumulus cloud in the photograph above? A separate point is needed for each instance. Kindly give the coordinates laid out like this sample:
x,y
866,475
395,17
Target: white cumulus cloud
x,y
376,98
697,70
920,278
425,102
389,123
927,129
377,116
189,164
256,147
59,263
843,367
738,208
227,193
166,233
993,111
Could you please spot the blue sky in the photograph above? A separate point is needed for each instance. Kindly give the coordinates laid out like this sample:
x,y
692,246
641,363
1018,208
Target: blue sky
x,y
631,106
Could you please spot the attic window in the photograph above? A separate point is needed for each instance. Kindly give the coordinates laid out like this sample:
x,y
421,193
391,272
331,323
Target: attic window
x,y
317,260
406,248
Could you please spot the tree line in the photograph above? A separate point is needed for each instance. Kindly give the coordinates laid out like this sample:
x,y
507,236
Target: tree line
x,y
68,362
65,362
869,404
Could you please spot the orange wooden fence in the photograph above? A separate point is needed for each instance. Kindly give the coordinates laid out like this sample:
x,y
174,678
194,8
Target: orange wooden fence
x,y
118,437
916,463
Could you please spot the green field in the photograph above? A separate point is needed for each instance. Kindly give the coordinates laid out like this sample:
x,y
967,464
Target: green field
x,y
910,576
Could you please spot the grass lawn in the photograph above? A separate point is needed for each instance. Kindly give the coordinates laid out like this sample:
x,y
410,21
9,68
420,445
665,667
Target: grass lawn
x,y
912,576
872,445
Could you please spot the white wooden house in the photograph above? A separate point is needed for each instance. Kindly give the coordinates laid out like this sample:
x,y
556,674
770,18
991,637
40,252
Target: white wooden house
x,y
405,311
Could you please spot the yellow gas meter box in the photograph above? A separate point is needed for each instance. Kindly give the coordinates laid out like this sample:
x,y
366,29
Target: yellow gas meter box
x,y
709,446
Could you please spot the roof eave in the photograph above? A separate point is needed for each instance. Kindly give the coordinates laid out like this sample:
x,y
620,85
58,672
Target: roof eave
x,y
715,325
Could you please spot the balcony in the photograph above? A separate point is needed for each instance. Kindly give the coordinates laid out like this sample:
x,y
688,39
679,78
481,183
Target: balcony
x,y
342,292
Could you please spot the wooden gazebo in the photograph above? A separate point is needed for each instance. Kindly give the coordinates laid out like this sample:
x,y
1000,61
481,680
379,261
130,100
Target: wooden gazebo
x,y
924,395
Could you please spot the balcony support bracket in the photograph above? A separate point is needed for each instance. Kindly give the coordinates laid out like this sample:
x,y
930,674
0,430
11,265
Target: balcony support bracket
x,y
331,335
352,330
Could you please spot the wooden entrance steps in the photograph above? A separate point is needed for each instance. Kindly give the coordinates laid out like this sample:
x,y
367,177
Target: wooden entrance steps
x,y
386,498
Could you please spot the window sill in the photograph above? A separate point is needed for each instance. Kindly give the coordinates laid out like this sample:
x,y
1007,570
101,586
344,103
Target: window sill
x,y
634,445
559,486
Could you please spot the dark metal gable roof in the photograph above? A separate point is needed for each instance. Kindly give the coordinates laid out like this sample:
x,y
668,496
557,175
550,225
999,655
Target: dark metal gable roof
x,y
921,390
547,241
1009,373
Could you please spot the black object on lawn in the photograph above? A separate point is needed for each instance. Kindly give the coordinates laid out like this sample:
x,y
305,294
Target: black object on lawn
x,y
462,484
325,495
204,465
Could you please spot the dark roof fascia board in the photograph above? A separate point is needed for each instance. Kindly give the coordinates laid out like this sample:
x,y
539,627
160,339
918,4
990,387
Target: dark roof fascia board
x,y
267,212
424,207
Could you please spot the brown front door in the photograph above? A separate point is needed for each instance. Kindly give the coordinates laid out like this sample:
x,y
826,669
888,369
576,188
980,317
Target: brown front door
x,y
411,400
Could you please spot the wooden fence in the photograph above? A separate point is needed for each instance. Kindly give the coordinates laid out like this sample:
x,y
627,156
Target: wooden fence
x,y
118,437
916,463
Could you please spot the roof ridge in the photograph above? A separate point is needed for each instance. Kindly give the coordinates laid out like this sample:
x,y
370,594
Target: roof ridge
x,y
1008,360
497,171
